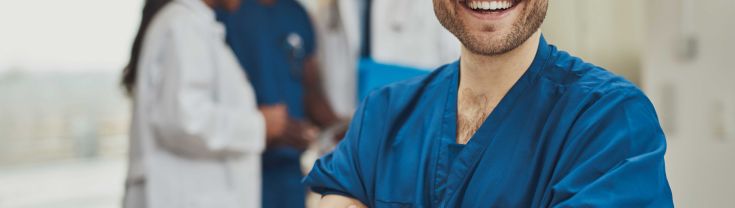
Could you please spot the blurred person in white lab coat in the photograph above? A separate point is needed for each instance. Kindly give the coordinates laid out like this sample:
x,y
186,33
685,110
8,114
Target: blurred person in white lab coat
x,y
197,133
338,24
405,32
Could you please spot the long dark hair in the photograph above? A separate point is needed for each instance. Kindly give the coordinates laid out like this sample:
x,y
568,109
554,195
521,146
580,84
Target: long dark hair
x,y
150,9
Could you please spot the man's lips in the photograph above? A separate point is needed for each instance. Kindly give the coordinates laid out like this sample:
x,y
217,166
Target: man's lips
x,y
489,9
489,5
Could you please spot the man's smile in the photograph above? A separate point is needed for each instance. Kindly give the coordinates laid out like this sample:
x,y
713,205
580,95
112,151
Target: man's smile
x,y
489,6
489,9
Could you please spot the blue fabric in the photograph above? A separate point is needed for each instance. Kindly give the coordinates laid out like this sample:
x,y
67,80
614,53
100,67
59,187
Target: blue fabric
x,y
373,75
568,134
259,36
282,187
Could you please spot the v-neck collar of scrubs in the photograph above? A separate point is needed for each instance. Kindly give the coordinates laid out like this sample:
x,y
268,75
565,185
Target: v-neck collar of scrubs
x,y
457,161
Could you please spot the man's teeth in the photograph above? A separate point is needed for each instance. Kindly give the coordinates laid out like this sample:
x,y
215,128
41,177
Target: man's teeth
x,y
489,5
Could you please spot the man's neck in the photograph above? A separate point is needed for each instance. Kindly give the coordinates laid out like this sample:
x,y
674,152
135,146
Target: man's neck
x,y
484,81
494,75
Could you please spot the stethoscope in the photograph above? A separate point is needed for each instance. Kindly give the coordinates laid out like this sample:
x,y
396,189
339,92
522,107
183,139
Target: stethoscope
x,y
294,46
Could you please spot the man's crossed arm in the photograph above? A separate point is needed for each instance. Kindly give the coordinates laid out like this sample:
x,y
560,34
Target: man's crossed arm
x,y
337,201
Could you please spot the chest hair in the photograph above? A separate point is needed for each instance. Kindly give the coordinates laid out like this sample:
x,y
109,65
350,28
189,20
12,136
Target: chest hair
x,y
472,110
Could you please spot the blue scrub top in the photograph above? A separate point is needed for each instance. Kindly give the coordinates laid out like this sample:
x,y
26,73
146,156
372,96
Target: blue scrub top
x,y
568,134
272,42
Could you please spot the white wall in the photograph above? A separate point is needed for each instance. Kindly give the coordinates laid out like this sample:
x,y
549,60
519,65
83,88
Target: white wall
x,y
60,66
695,98
67,35
607,33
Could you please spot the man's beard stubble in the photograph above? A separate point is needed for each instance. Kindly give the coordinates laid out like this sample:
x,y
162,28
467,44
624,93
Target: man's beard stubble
x,y
532,17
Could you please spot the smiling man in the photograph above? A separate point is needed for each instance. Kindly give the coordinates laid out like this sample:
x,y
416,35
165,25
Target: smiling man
x,y
514,123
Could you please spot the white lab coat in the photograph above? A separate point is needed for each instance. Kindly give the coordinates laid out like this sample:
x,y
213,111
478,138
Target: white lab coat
x,y
338,28
196,134
406,32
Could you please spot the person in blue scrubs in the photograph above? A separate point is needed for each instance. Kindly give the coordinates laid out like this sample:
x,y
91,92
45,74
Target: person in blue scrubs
x,y
274,40
514,123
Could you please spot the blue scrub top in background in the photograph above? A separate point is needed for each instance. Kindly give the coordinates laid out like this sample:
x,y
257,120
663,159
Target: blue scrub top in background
x,y
568,134
272,43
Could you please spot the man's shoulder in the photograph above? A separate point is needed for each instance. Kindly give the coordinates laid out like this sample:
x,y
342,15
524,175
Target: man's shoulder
x,y
585,86
398,104
578,76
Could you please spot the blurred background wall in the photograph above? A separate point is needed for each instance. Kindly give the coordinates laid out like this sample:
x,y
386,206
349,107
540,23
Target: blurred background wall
x,y
608,33
63,126
63,116
59,69
688,72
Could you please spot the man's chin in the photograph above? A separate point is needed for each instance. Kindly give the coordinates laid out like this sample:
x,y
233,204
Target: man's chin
x,y
487,43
